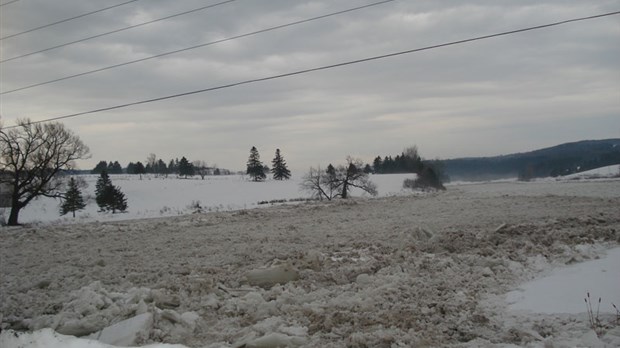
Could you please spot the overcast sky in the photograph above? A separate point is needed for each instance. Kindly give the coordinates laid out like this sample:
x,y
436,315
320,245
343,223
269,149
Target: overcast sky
x,y
502,95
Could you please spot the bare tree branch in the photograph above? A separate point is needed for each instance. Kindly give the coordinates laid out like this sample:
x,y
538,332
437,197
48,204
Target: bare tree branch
x,y
32,156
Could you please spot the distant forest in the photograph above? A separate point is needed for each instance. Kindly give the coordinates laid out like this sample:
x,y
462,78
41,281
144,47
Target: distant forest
x,y
554,161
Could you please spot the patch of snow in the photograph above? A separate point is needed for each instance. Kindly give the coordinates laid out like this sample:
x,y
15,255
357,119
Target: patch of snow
x,y
48,338
608,171
564,290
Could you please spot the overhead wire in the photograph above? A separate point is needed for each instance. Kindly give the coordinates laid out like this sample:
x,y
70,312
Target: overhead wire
x,y
325,67
116,31
9,2
198,46
67,19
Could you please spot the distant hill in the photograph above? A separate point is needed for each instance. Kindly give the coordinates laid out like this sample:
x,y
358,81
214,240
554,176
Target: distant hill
x,y
553,161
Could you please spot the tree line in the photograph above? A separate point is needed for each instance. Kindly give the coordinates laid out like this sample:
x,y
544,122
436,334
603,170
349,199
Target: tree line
x,y
33,157
183,168
409,161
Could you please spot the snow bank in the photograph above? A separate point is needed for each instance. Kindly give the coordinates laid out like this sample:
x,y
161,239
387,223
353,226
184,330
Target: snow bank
x,y
564,289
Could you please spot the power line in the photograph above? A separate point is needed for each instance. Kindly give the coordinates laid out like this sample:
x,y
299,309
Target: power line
x,y
116,31
325,67
67,19
9,2
198,46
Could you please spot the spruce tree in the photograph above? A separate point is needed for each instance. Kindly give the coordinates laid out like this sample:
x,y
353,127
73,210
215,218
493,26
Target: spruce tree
x,y
100,167
255,168
116,168
118,200
185,168
73,199
108,196
139,169
102,191
279,169
131,168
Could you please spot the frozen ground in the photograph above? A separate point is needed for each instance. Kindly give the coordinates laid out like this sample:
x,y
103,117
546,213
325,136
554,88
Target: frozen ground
x,y
400,271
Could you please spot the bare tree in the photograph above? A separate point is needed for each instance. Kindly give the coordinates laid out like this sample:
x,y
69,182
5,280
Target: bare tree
x,y
338,181
31,158
314,183
353,176
151,164
201,168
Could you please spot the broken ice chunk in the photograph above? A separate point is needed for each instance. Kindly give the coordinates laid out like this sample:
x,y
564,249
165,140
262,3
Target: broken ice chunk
x,y
270,276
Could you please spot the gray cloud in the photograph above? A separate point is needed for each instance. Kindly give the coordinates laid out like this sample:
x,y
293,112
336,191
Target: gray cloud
x,y
490,97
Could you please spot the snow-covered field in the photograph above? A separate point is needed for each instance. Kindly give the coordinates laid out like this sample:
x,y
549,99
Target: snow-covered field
x,y
158,196
460,268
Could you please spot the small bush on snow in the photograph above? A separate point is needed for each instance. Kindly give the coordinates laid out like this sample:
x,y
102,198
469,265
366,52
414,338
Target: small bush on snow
x,y
195,207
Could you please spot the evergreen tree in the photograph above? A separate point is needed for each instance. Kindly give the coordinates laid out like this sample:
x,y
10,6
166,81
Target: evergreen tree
x,y
255,168
162,168
118,200
377,165
279,169
102,191
116,168
100,167
185,168
140,168
367,169
73,199
108,196
131,168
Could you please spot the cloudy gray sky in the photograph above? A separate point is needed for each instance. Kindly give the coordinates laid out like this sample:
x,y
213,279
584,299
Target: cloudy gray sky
x,y
497,96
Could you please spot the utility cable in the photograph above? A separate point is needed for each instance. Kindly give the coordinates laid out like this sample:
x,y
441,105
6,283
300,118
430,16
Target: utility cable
x,y
198,46
9,2
116,31
325,67
67,19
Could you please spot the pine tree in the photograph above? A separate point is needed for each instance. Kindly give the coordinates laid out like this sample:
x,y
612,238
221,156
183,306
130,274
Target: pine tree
x,y
377,165
100,167
185,168
118,200
108,196
131,168
102,191
73,199
279,169
116,168
255,168
139,169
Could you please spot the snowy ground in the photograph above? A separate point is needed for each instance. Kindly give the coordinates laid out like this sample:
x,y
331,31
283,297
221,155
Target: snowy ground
x,y
158,196
445,269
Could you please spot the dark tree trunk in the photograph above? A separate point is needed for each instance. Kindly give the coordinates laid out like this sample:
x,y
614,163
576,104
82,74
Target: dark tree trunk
x,y
14,216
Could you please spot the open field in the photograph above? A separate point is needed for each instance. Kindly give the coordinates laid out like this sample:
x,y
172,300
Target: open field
x,y
397,271
154,196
